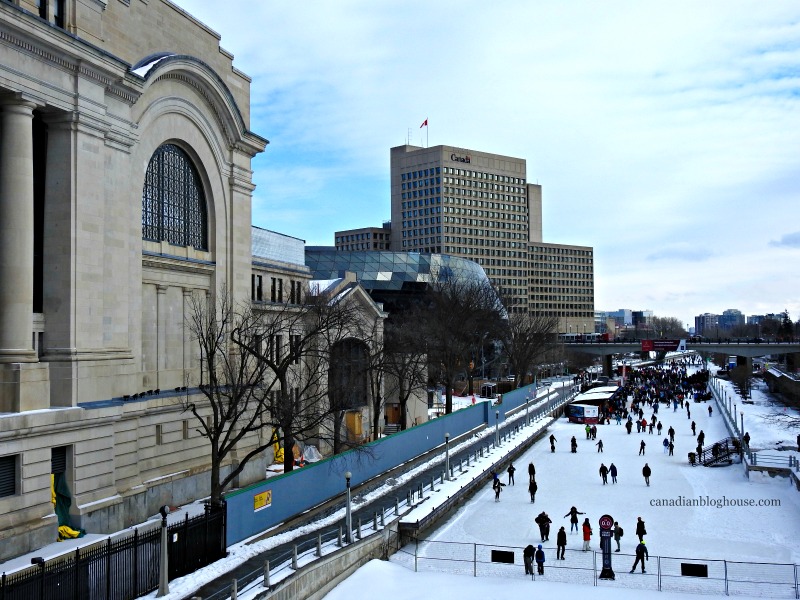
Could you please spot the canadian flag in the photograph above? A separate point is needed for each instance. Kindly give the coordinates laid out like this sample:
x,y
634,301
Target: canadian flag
x,y
424,124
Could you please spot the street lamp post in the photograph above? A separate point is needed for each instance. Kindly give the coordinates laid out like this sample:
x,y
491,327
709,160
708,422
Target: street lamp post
x,y
527,400
447,456
348,519
496,428
163,572
741,414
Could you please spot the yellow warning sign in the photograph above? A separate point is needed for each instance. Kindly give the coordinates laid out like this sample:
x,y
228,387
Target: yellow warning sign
x,y
262,500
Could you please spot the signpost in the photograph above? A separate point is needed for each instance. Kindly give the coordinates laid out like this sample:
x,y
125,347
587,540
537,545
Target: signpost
x,y
606,533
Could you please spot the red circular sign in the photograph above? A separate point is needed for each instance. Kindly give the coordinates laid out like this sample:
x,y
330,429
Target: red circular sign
x,y
606,522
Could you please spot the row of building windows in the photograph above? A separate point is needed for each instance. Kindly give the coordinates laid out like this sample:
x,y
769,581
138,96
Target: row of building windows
x,y
407,214
506,211
421,173
422,245
510,286
510,189
294,293
486,242
556,250
567,262
477,252
422,222
455,201
423,183
486,234
423,193
492,272
355,237
505,262
424,202
544,275
365,246
412,233
561,276
483,223
550,312
468,194
483,175
562,297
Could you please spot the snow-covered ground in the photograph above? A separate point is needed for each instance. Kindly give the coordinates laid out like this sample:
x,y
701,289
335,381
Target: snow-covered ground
x,y
765,435
733,533
767,534
395,582
763,534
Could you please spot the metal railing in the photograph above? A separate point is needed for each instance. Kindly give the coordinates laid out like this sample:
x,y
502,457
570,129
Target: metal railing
x,y
773,459
280,564
121,568
663,573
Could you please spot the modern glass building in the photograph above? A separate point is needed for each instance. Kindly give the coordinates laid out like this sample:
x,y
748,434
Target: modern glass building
x,y
389,276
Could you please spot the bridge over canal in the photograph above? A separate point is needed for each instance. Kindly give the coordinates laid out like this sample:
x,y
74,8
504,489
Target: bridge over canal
x,y
744,352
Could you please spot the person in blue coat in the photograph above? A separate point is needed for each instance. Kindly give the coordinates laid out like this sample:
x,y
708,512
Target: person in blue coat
x,y
612,470
641,556
540,560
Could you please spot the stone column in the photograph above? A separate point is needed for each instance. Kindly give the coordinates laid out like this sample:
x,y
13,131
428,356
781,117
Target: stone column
x,y
16,231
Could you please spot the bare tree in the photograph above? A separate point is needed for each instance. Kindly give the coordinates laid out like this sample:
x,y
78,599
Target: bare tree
x,y
668,327
456,315
742,378
230,379
405,363
525,338
303,346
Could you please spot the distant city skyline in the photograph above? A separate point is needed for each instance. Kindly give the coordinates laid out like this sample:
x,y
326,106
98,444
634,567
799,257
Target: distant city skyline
x,y
665,136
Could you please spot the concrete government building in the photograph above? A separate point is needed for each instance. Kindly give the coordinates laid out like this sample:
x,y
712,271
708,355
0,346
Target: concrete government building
x,y
125,193
480,206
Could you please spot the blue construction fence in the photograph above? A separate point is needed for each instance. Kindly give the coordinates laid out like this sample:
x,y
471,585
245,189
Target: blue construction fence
x,y
264,505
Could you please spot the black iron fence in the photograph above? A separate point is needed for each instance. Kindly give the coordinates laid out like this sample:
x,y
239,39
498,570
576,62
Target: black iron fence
x,y
663,573
122,568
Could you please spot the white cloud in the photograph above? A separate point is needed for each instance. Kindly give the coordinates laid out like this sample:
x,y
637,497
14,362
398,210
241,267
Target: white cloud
x,y
648,125
791,240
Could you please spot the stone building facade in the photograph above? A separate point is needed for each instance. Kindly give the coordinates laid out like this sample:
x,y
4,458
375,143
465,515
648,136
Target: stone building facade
x,y
125,190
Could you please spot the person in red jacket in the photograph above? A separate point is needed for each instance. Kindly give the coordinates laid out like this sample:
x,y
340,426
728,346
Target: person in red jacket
x,y
587,534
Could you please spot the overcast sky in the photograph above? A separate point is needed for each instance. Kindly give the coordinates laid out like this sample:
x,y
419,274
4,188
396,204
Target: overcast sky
x,y
665,134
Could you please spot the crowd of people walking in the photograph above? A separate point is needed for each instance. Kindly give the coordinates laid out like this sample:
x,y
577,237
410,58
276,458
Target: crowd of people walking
x,y
647,390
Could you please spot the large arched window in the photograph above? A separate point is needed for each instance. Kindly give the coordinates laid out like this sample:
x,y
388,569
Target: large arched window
x,y
173,203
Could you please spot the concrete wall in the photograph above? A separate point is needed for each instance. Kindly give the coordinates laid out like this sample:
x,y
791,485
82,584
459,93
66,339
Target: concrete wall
x,y
778,382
